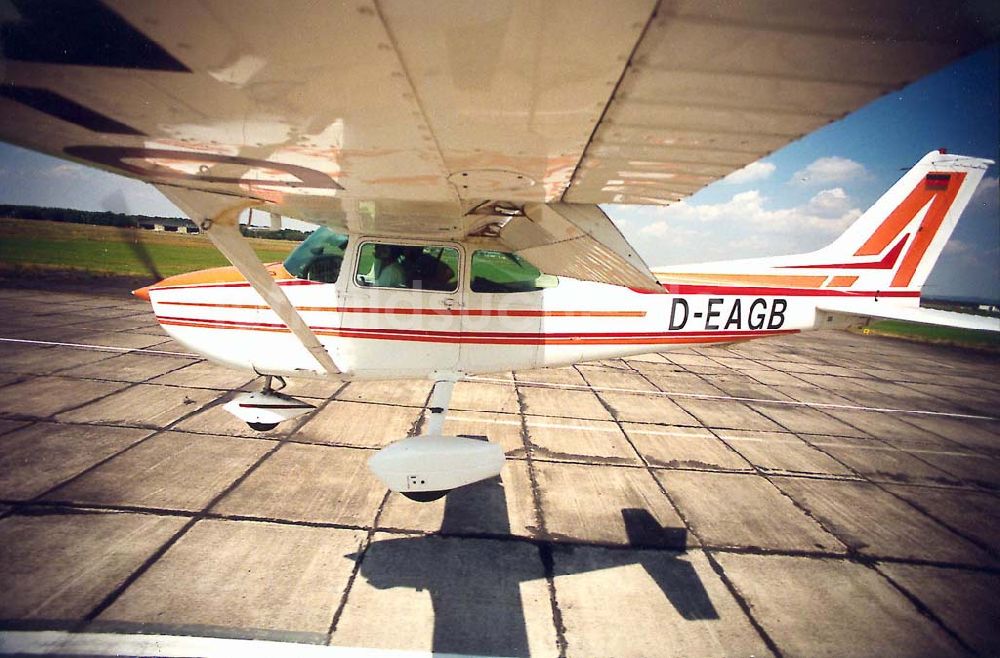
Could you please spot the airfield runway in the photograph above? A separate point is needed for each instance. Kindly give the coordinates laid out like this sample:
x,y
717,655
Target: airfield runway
x,y
824,494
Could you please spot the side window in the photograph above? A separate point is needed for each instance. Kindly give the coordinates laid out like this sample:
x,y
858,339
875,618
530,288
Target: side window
x,y
319,257
407,266
498,271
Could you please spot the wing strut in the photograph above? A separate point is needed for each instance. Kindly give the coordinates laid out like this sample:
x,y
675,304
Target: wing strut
x,y
223,230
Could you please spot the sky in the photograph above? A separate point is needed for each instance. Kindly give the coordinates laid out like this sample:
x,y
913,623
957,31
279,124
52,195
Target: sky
x,y
797,199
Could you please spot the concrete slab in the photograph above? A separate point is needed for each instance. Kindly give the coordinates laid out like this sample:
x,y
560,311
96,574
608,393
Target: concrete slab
x,y
411,393
60,566
671,381
636,408
782,452
782,592
968,468
614,378
483,396
806,420
551,376
312,483
736,510
564,403
896,430
971,513
500,508
965,601
647,358
359,424
683,447
602,504
143,405
11,425
37,458
813,395
880,462
11,377
773,378
119,338
261,576
876,523
978,435
131,367
688,359
205,374
744,386
726,414
674,603
471,596
504,429
570,439
173,470
41,397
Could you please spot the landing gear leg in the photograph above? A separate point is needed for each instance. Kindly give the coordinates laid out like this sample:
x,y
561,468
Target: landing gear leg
x,y
427,467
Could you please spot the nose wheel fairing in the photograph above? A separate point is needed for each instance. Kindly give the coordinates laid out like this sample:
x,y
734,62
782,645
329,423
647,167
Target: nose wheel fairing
x,y
263,410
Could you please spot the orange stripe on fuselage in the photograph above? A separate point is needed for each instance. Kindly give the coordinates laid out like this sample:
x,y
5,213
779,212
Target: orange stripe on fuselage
x,y
842,282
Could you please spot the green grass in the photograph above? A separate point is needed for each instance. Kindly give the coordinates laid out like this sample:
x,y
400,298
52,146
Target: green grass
x,y
944,335
40,245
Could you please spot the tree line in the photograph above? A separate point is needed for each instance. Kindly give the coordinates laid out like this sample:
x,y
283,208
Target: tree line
x,y
122,220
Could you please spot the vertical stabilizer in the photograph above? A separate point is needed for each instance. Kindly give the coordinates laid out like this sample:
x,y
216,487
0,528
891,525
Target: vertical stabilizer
x,y
896,242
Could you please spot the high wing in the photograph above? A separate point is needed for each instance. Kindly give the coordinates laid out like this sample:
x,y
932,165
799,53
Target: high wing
x,y
508,119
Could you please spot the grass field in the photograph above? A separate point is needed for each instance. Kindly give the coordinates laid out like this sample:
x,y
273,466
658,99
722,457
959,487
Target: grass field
x,y
32,245
942,335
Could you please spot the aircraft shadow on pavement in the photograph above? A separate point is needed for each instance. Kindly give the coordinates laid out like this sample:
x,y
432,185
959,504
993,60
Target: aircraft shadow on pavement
x,y
475,585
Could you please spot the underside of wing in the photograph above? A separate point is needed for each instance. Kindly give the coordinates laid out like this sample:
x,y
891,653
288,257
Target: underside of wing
x,y
404,118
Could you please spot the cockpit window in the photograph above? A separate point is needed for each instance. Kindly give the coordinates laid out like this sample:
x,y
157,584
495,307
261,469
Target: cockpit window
x,y
319,257
498,271
408,266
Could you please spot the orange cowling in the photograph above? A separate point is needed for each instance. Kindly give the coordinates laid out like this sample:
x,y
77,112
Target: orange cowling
x,y
214,275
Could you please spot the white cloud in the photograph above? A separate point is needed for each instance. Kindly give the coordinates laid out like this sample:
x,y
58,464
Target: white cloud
x,y
829,170
67,170
744,226
830,202
755,171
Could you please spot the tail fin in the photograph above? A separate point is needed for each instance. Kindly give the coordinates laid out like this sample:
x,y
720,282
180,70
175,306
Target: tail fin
x,y
897,241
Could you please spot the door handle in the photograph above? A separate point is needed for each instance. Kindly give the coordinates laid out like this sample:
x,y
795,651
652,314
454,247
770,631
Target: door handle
x,y
448,302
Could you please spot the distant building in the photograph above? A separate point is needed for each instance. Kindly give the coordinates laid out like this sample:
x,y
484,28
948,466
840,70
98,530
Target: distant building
x,y
169,224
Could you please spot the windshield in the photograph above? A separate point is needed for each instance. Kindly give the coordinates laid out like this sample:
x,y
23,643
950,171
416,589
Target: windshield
x,y
319,256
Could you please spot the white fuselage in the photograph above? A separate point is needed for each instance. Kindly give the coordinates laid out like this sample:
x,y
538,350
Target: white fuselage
x,y
376,333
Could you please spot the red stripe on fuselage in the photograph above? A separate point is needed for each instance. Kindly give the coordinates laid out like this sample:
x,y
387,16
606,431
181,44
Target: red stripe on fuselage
x,y
490,338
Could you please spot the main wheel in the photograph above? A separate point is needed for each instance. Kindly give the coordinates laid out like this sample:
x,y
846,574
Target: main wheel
x,y
262,427
424,496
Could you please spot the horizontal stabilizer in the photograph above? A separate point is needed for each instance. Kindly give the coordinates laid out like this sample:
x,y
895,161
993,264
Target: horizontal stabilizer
x,y
883,310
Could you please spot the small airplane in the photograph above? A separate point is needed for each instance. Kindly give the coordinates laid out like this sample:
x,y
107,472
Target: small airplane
x,y
454,156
